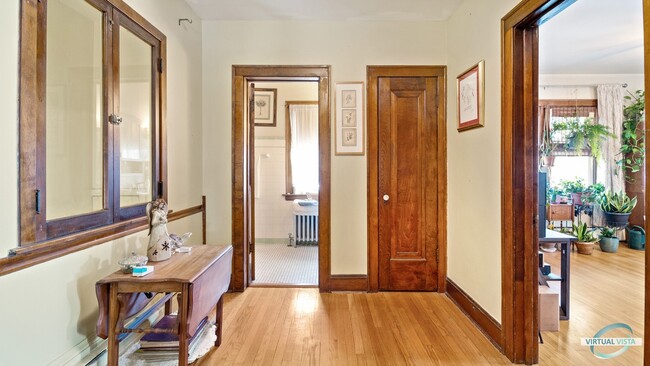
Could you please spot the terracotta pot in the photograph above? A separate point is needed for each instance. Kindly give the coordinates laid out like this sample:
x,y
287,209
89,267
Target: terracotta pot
x,y
585,247
576,198
548,160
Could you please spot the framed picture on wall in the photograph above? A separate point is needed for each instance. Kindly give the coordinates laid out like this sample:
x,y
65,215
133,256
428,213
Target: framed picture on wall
x,y
349,119
265,107
469,97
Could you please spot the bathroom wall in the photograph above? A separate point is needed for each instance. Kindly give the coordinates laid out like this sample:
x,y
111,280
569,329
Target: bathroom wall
x,y
273,214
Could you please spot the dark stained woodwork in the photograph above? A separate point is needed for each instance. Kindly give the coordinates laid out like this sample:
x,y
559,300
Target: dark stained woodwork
x,y
349,283
250,188
241,76
437,76
484,321
646,55
519,152
289,196
35,230
26,257
407,175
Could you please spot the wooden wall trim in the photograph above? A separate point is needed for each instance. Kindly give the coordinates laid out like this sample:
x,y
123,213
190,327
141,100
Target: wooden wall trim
x,y
483,320
52,249
349,283
519,154
646,53
241,75
372,75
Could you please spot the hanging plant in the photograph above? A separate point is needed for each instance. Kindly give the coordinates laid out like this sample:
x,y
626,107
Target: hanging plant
x,y
632,145
581,135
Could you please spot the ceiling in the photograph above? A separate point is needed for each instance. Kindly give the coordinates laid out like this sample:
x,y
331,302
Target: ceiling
x,y
593,37
589,37
398,10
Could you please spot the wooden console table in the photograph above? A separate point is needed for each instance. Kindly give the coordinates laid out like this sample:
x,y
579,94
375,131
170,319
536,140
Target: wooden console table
x,y
565,290
200,278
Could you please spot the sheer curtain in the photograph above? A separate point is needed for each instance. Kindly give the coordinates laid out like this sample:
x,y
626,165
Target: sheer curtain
x,y
610,114
304,147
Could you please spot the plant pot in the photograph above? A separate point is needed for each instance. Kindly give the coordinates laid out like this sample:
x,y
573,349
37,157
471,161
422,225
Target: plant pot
x,y
614,219
609,245
585,247
548,160
576,198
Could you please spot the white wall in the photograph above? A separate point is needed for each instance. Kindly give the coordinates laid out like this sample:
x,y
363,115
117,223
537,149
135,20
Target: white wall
x,y
348,46
564,86
273,213
474,157
52,305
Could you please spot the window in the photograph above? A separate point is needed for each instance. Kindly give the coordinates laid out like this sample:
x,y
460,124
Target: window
x,y
91,128
302,149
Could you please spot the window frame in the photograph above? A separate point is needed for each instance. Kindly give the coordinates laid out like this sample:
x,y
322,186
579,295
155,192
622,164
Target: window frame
x,y
81,229
289,194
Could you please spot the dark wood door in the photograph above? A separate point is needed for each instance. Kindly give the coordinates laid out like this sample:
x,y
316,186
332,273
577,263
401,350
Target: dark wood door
x,y
408,191
250,184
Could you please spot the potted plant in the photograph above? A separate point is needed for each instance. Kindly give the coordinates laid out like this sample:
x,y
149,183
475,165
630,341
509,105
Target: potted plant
x,y
593,193
617,208
632,145
575,188
581,135
546,148
608,240
585,239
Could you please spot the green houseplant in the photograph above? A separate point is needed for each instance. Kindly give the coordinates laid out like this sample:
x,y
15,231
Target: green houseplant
x,y
593,193
585,238
608,240
632,140
582,135
575,188
617,208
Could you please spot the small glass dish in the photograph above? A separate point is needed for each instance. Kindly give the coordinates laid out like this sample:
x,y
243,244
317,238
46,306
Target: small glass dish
x,y
131,261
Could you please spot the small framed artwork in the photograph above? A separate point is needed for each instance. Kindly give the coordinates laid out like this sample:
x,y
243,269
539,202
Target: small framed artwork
x,y
469,97
349,119
265,107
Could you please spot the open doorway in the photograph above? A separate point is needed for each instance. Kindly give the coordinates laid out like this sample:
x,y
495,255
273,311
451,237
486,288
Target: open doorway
x,y
591,125
243,157
520,323
285,171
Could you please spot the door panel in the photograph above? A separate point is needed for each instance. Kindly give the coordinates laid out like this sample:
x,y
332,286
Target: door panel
x,y
408,201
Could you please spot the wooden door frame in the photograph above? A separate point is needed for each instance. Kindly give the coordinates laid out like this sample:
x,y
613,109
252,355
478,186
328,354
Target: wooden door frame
x,y
241,75
373,73
519,151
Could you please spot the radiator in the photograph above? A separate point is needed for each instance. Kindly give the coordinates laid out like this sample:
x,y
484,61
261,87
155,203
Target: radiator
x,y
306,229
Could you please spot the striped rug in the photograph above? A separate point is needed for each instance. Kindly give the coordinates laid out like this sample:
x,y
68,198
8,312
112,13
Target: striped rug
x,y
281,264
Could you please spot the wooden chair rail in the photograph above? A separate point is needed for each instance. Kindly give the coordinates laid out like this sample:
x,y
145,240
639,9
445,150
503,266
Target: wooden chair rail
x,y
25,257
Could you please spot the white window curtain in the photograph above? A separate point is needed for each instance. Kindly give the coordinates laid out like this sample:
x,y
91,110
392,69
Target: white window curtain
x,y
610,114
304,147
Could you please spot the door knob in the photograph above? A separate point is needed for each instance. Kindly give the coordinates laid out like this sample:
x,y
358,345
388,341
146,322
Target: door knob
x,y
386,198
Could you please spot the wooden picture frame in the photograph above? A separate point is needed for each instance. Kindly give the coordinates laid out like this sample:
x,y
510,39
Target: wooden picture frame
x,y
349,134
470,89
266,107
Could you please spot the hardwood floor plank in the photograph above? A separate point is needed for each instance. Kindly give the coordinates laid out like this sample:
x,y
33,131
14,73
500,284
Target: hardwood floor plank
x,y
292,326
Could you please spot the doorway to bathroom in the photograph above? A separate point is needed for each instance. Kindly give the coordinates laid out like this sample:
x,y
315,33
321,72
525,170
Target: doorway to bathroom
x,y
246,78
285,170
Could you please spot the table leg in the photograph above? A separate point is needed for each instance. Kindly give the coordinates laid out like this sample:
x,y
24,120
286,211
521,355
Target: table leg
x,y
564,288
219,321
113,332
183,307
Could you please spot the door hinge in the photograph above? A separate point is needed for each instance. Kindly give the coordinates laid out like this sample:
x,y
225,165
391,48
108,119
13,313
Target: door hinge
x,y
251,248
160,188
161,65
38,201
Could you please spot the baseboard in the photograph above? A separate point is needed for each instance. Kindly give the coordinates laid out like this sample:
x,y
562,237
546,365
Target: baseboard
x,y
349,283
485,322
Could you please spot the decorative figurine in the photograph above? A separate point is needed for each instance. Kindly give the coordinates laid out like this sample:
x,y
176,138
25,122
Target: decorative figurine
x,y
161,244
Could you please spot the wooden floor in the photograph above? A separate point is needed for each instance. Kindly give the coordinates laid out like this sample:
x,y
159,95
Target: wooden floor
x,y
293,326
606,288
280,326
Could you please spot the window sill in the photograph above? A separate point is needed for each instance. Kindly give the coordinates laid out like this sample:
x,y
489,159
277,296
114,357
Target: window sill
x,y
291,196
